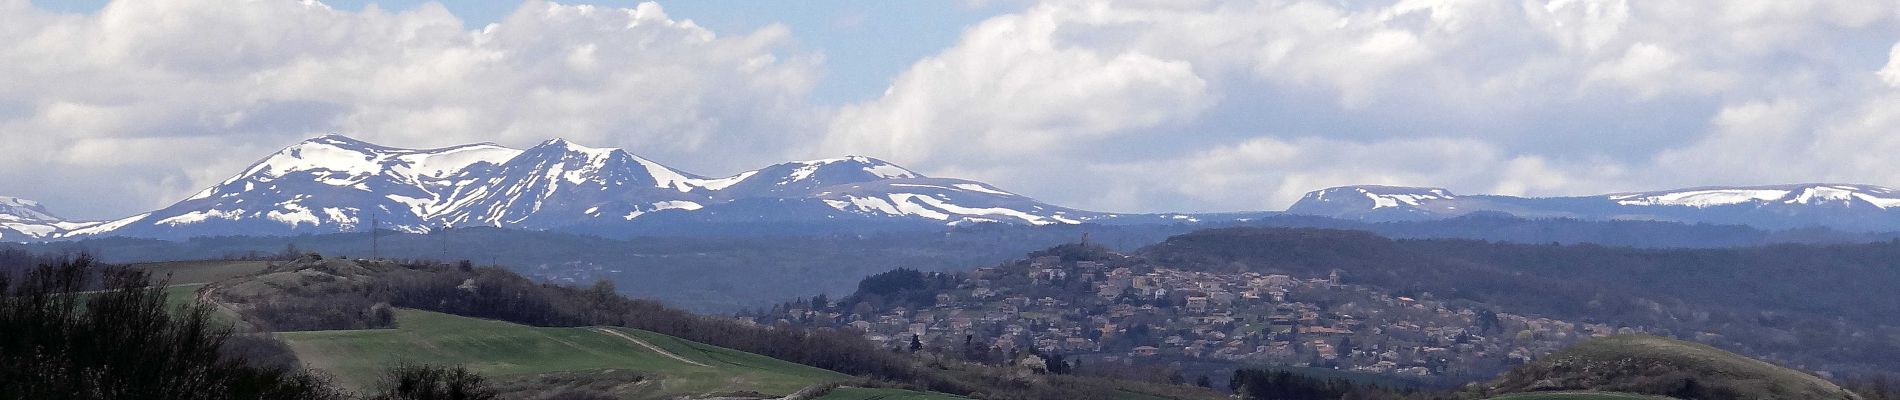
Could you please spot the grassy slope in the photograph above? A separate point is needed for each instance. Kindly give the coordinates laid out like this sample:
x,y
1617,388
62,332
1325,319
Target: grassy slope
x,y
186,277
1714,366
504,350
189,272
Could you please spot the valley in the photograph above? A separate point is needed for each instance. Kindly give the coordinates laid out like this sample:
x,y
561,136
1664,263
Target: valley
x,y
1198,306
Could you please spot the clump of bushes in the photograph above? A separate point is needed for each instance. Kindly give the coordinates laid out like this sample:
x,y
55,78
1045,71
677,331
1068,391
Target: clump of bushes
x,y
59,340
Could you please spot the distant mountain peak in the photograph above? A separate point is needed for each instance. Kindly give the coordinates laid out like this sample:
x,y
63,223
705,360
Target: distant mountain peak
x,y
872,167
338,138
566,145
1379,196
1798,194
18,209
27,219
335,183
1854,207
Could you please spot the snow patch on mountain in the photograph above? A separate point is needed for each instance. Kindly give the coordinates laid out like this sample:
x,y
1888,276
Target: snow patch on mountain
x,y
104,228
663,206
1700,198
873,167
1383,196
1806,194
726,182
23,219
14,209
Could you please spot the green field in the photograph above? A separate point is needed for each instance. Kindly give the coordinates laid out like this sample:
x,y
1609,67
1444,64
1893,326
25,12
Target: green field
x,y
182,295
177,296
857,393
1578,396
1128,395
503,351
189,272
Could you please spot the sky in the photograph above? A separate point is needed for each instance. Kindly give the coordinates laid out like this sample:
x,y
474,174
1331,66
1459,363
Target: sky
x,y
112,108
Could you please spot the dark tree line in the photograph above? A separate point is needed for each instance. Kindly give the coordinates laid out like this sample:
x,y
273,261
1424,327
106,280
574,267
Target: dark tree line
x,y
59,341
902,287
1266,384
432,382
1874,387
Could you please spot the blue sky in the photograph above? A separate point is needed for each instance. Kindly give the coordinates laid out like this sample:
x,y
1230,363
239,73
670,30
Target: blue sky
x,y
1127,106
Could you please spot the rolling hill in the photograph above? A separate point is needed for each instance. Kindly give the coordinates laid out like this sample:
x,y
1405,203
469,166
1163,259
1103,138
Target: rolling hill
x,y
1660,366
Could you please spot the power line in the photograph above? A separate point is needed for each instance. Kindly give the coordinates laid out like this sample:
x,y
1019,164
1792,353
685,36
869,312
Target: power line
x,y
375,248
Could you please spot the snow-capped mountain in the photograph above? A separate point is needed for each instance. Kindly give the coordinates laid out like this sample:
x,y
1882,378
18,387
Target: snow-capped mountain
x,y
1839,196
327,184
803,177
337,184
22,219
558,183
1841,206
951,200
1376,202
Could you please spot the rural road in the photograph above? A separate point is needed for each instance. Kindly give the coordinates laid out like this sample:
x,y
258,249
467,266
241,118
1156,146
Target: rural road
x,y
650,346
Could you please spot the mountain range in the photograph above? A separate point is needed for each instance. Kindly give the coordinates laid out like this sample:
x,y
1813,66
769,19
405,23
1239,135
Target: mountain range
x,y
22,218
1848,207
335,183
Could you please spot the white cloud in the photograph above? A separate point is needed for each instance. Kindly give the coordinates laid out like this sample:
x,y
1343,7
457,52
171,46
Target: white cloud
x,y
1011,89
1891,73
1115,105
1519,97
127,90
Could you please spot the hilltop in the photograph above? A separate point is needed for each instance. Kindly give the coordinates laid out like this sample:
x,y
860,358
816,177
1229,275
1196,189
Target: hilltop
x,y
1660,366
1431,311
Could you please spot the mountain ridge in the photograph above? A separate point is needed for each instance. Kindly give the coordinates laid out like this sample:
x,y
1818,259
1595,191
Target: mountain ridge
x,y
23,218
335,183
1850,207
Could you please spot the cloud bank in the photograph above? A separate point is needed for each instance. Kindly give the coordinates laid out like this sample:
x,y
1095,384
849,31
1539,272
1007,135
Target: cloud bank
x,y
152,100
1196,105
1230,105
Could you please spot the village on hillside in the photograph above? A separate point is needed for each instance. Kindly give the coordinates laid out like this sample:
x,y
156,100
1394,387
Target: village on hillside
x,y
1129,312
